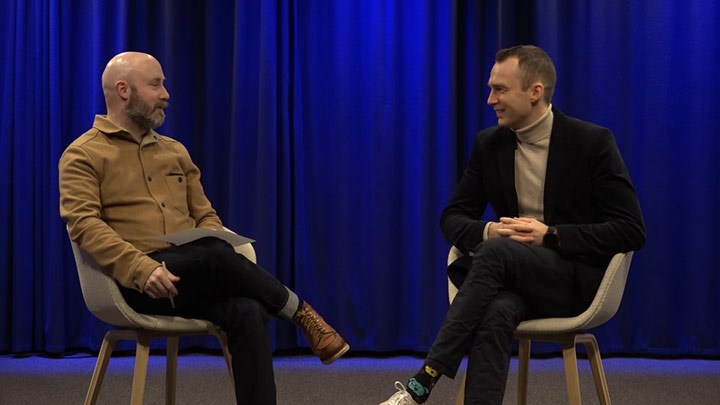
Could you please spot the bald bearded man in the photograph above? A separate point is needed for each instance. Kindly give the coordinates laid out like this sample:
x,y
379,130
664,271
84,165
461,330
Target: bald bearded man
x,y
122,183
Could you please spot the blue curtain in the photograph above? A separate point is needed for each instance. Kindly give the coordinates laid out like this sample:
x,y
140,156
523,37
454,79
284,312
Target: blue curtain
x,y
333,132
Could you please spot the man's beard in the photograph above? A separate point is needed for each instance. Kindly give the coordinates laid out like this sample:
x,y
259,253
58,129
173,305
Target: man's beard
x,y
143,115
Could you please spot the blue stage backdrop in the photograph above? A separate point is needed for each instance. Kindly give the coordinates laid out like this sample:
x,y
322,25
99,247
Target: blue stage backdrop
x,y
333,132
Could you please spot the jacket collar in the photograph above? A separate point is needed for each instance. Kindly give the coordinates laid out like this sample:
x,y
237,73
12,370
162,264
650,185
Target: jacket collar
x,y
109,128
557,161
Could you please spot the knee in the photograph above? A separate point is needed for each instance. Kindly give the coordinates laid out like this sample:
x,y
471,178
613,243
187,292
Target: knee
x,y
497,246
499,251
493,256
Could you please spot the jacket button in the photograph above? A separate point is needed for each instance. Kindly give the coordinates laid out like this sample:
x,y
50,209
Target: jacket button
x,y
149,178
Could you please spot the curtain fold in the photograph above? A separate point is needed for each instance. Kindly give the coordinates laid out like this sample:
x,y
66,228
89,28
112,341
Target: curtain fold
x,y
334,132
372,169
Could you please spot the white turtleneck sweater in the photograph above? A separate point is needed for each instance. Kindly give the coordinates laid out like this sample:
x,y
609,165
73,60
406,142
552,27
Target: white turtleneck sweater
x,y
531,154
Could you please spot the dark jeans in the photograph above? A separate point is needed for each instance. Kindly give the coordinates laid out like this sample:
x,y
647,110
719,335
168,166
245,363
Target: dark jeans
x,y
506,283
229,290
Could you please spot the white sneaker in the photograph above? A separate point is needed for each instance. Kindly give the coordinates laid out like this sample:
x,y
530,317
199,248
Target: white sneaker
x,y
401,397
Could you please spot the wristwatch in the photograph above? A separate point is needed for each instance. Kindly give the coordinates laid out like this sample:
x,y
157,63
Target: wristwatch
x,y
550,239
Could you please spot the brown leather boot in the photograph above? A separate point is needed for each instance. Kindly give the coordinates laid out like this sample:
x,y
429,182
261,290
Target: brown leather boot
x,y
324,341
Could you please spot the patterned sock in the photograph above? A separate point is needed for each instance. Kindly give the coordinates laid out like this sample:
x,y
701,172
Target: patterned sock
x,y
420,385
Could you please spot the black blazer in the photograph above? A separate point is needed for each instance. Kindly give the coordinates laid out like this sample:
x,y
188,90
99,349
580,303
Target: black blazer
x,y
588,195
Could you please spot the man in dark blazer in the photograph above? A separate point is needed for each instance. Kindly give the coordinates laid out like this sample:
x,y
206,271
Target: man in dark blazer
x,y
565,205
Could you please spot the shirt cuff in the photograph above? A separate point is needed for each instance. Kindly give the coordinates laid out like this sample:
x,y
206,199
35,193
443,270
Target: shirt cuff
x,y
486,230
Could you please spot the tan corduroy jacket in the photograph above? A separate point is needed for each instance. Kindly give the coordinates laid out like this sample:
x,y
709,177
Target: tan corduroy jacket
x,y
116,194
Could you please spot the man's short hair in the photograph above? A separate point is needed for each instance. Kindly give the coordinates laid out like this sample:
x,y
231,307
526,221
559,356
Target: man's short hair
x,y
535,66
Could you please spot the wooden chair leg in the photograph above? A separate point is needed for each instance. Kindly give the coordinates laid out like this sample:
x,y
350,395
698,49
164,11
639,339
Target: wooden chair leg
x,y
222,338
572,379
100,367
142,352
171,369
460,400
523,362
591,346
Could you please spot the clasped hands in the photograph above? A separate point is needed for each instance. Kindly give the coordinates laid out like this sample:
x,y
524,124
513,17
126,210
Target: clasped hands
x,y
522,229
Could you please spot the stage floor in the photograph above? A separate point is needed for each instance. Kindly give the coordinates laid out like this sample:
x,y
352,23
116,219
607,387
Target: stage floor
x,y
202,379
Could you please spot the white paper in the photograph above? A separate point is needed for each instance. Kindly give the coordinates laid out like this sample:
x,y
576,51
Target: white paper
x,y
182,237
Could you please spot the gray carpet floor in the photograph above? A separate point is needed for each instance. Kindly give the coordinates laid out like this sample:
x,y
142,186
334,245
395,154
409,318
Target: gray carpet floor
x,y
202,379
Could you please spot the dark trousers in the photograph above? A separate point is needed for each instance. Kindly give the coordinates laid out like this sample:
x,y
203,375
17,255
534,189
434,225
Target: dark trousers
x,y
506,283
229,290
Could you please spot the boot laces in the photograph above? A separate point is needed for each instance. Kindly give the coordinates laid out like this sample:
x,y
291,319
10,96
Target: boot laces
x,y
310,322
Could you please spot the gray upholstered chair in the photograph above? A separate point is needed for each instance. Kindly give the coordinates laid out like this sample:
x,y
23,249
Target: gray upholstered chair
x,y
104,300
568,332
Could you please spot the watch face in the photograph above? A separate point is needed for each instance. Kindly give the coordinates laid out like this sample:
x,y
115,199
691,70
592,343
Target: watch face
x,y
550,239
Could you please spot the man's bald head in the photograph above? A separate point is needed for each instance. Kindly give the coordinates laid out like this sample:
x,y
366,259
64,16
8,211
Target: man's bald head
x,y
134,92
122,67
